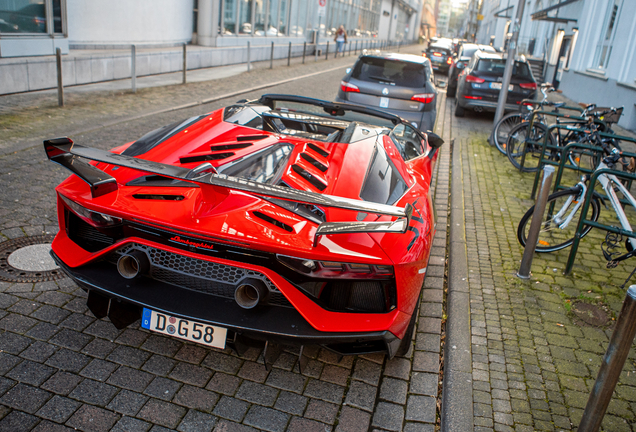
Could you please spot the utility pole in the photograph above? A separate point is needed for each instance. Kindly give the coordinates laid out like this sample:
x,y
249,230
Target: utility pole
x,y
512,52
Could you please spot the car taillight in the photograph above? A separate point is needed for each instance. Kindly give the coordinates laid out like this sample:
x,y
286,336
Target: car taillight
x,y
474,79
449,61
436,54
94,218
346,87
336,270
528,86
423,97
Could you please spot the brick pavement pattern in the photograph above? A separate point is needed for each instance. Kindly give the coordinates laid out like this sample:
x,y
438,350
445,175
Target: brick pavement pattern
x,y
62,369
534,356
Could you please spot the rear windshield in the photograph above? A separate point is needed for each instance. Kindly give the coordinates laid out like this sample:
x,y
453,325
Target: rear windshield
x,y
400,73
439,49
497,66
468,52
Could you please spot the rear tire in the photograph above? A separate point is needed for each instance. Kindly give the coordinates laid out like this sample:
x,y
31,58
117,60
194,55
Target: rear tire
x,y
502,130
516,145
459,111
551,237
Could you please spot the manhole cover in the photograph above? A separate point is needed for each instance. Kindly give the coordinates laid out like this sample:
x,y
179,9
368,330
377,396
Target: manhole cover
x,y
591,314
27,260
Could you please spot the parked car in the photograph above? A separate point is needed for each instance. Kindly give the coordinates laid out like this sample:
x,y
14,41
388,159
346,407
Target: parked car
x,y
459,62
283,220
401,84
479,83
441,55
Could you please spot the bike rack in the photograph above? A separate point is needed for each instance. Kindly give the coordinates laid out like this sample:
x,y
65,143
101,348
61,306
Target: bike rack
x,y
588,197
527,141
563,151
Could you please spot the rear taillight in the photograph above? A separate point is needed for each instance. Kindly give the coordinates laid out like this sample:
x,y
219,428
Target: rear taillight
x,y
449,61
423,97
336,270
474,79
473,97
96,219
528,86
435,54
346,87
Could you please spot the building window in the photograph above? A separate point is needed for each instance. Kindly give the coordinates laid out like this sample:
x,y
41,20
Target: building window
x,y
30,17
604,46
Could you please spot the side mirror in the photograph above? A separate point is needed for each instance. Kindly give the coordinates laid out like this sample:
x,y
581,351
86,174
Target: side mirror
x,y
348,71
434,140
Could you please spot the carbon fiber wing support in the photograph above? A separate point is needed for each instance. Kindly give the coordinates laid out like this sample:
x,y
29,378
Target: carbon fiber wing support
x,y
72,156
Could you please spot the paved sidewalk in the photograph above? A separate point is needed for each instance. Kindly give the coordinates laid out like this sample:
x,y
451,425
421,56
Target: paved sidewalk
x,y
62,369
536,345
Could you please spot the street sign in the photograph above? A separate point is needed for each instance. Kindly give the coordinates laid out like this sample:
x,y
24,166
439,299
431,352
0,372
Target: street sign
x,y
480,17
322,8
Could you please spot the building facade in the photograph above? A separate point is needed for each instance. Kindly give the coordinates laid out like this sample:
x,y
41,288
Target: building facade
x,y
587,46
38,27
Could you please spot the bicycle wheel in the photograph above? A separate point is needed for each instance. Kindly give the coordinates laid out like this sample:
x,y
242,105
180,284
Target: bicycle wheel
x,y
551,237
502,130
516,145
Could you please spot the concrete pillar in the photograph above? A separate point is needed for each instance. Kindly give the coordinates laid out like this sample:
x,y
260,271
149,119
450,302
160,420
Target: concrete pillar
x,y
208,22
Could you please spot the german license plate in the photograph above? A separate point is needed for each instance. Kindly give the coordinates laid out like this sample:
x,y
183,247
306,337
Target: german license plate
x,y
384,102
184,329
497,86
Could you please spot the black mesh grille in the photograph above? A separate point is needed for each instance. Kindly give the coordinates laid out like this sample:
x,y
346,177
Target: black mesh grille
x,y
85,235
359,296
202,276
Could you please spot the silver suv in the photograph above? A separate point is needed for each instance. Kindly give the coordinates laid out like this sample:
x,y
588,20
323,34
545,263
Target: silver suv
x,y
398,83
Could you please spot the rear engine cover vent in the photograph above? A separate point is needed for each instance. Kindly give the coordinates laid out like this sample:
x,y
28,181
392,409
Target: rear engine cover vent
x,y
229,147
251,137
313,161
203,158
318,150
275,222
315,182
159,197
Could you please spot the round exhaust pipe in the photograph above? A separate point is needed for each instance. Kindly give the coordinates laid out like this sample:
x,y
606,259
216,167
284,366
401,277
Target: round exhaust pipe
x,y
250,293
133,264
478,109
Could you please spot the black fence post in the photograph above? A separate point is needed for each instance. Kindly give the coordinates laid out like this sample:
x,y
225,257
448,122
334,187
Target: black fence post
x,y
271,57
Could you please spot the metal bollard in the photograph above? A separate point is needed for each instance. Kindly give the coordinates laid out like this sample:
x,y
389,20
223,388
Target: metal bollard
x,y
612,366
535,225
185,58
60,85
355,51
249,63
327,51
289,55
304,50
133,68
271,57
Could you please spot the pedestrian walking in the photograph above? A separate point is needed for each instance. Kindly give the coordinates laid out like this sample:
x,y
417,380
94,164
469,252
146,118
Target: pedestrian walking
x,y
341,40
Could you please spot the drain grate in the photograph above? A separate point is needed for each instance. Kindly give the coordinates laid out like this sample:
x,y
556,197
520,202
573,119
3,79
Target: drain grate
x,y
9,273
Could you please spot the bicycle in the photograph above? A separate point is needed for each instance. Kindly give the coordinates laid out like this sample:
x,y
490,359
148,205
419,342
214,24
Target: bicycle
x,y
563,208
502,129
525,145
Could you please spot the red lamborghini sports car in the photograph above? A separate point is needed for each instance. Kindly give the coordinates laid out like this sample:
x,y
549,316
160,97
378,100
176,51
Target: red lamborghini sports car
x,y
284,220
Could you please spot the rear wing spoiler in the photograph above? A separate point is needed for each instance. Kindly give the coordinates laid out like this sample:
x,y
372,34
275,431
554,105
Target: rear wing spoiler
x,y
74,158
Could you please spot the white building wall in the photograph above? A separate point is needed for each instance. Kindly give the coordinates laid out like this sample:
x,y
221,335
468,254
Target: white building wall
x,y
124,22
